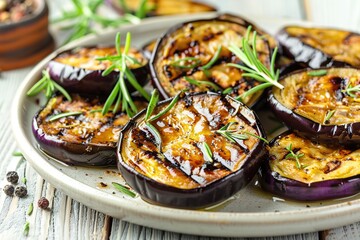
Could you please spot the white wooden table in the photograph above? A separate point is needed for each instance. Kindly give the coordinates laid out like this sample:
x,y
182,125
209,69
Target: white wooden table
x,y
68,219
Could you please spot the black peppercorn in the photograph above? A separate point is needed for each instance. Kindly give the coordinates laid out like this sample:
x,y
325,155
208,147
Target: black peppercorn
x,y
43,203
20,191
12,177
8,190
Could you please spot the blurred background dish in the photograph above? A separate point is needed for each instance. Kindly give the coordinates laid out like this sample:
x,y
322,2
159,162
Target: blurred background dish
x,y
25,38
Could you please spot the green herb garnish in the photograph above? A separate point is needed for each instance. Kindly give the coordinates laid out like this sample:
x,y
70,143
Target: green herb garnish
x,y
48,85
293,155
198,83
207,153
82,18
317,73
24,180
227,90
213,59
26,229
254,68
183,63
231,134
256,136
64,114
350,90
329,115
120,94
235,134
30,209
17,154
150,108
124,189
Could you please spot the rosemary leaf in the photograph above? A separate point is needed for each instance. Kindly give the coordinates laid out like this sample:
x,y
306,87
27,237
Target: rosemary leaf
x,y
168,107
110,100
17,154
155,133
317,73
257,136
227,90
207,153
213,59
152,104
62,90
293,155
178,64
198,83
329,115
123,189
30,209
65,114
26,229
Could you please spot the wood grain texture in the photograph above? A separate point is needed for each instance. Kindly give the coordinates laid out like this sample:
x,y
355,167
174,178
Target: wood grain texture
x,y
68,219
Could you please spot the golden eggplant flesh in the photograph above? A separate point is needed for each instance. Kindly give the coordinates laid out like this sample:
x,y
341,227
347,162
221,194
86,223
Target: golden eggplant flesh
x,y
85,136
176,170
198,51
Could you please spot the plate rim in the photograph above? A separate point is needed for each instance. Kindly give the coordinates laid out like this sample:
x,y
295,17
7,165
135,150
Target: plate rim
x,y
207,223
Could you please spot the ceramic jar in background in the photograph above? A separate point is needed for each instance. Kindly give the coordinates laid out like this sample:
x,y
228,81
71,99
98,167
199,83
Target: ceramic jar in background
x,y
26,41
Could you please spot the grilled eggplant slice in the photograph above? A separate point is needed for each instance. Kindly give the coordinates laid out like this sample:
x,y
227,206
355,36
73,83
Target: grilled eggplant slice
x,y
187,162
185,52
163,7
79,71
322,108
85,136
323,172
320,47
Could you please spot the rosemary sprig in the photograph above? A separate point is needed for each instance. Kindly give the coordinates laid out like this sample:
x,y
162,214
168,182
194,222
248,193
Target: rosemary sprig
x,y
213,59
317,73
48,85
293,155
198,83
64,114
120,94
124,189
350,90
30,209
254,68
84,15
207,153
231,134
329,115
235,134
150,108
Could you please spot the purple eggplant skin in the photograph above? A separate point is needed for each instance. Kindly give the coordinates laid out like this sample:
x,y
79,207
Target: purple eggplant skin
x,y
292,189
90,81
195,198
296,49
348,134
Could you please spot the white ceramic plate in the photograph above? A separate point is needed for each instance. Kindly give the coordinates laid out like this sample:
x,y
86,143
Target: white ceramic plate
x,y
251,212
